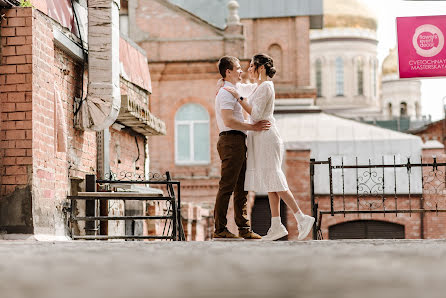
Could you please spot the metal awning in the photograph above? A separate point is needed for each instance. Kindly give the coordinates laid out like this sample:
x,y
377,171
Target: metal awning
x,y
137,117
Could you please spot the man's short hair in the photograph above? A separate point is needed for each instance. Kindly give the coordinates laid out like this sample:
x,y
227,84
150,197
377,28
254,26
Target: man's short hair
x,y
225,63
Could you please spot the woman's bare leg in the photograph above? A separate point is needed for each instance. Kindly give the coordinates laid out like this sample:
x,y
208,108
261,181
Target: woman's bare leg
x,y
289,200
304,222
277,230
274,204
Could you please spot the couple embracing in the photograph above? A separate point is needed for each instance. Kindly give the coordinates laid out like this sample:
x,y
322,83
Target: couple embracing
x,y
251,152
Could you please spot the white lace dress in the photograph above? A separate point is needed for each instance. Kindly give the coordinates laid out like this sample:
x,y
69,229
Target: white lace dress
x,y
265,148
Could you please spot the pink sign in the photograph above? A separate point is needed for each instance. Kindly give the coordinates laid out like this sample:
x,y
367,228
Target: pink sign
x,y
421,50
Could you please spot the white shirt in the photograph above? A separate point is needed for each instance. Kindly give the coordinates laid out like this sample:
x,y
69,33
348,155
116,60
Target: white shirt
x,y
225,101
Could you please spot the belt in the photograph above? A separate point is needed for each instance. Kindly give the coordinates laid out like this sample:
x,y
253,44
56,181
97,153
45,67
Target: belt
x,y
232,132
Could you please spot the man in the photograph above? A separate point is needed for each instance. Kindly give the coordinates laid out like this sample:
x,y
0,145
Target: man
x,y
231,147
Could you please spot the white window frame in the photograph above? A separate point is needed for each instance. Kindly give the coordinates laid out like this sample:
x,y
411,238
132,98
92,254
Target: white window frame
x,y
191,161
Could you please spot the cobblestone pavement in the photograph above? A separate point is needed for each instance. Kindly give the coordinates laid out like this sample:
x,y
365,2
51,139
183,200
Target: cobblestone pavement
x,y
347,269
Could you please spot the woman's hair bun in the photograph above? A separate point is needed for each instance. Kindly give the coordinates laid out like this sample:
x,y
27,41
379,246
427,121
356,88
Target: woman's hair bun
x,y
271,72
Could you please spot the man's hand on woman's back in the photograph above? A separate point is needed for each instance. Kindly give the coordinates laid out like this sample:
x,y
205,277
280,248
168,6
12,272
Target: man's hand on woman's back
x,y
261,125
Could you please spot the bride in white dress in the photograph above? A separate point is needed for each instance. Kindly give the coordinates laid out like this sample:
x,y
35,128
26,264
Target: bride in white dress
x,y
265,148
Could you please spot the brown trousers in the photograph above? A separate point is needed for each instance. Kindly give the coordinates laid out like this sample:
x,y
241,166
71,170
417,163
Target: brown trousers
x,y
232,151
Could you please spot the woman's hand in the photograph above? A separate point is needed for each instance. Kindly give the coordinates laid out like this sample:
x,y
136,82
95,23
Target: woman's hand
x,y
220,84
233,91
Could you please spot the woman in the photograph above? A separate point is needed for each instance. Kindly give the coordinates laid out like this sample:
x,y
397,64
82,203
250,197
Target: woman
x,y
265,148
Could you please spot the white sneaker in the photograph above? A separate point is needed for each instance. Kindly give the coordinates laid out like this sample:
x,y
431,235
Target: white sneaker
x,y
305,226
275,233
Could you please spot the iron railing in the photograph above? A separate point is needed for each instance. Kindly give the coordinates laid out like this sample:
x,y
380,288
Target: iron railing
x,y
173,229
378,188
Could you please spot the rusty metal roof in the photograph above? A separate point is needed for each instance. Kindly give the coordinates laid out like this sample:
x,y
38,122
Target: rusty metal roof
x,y
134,67
133,60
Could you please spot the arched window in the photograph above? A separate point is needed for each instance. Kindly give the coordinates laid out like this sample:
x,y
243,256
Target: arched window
x,y
403,109
389,110
366,229
339,76
417,110
374,78
360,76
318,68
192,139
275,51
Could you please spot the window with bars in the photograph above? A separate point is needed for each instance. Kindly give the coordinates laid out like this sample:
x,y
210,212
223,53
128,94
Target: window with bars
x,y
339,64
192,135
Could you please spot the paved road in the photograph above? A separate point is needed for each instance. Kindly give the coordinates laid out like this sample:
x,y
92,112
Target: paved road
x,y
347,269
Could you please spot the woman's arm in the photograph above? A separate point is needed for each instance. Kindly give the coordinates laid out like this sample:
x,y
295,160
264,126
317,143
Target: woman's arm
x,y
220,84
245,90
245,105
263,98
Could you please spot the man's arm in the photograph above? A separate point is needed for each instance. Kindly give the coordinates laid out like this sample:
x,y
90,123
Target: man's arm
x,y
231,122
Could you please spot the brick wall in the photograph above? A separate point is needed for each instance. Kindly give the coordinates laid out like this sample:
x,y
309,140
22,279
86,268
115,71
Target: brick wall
x,y
171,90
298,175
291,40
297,171
433,131
15,92
42,155
16,120
175,34
60,152
183,53
124,147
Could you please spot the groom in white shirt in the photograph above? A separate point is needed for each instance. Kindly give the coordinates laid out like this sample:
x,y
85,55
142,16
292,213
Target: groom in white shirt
x,y
231,148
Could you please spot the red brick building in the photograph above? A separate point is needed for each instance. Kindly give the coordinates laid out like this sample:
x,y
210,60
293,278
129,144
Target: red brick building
x,y
44,155
183,51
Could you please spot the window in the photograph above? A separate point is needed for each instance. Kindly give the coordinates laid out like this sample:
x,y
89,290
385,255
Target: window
x,y
124,17
403,109
417,110
374,79
360,75
192,139
339,76
275,51
319,77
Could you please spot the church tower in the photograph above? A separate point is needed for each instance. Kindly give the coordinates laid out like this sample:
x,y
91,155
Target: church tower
x,y
400,98
344,63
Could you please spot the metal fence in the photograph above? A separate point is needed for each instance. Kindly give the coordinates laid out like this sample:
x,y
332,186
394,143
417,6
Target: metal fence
x,y
173,229
376,188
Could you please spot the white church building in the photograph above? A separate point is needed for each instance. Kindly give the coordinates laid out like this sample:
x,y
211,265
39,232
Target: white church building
x,y
345,70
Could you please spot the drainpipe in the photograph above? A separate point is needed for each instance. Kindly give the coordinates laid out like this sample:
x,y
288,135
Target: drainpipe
x,y
101,106
104,97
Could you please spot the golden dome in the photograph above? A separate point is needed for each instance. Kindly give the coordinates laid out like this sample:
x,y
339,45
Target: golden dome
x,y
348,14
390,64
